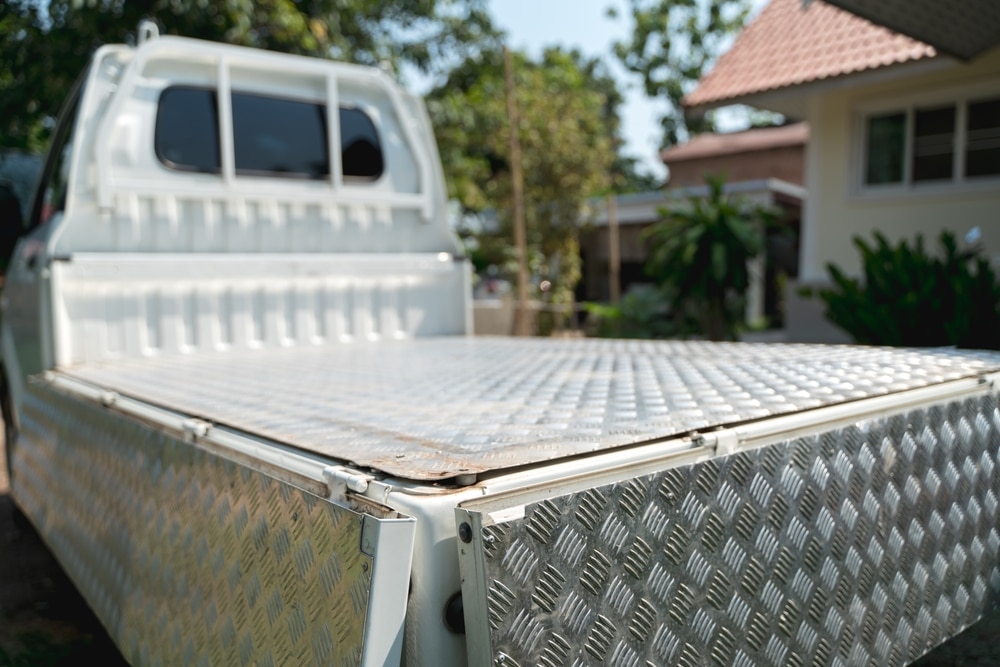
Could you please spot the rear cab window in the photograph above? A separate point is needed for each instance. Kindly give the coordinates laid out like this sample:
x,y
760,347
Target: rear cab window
x,y
187,130
272,136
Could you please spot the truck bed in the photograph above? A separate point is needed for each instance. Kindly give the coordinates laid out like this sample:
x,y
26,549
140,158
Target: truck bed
x,y
437,408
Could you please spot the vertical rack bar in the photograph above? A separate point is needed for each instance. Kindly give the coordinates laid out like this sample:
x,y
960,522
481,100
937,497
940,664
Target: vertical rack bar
x,y
226,142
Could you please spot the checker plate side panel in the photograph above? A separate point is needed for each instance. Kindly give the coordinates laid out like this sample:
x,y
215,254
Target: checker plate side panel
x,y
868,544
188,558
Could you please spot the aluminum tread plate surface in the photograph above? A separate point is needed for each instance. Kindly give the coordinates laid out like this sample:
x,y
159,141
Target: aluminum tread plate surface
x,y
187,558
864,545
438,407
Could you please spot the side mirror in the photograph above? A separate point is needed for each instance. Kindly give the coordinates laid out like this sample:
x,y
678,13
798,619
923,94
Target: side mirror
x,y
11,223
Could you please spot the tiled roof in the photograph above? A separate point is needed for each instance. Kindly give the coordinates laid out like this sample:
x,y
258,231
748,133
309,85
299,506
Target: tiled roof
x,y
708,145
790,44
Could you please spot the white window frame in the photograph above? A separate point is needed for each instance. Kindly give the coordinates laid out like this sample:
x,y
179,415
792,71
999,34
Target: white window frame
x,y
960,97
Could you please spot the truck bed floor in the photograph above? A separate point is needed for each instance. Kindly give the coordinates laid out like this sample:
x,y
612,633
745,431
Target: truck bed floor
x,y
435,408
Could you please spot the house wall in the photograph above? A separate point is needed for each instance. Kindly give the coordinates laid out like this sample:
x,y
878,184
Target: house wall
x,y
784,163
838,209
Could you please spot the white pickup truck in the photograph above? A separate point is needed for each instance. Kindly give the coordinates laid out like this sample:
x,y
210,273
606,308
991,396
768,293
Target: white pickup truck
x,y
245,413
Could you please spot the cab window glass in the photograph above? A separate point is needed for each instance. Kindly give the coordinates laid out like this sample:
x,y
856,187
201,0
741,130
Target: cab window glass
x,y
360,149
187,130
272,136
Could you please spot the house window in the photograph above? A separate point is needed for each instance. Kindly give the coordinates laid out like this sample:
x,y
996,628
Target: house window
x,y
982,147
933,144
943,143
886,142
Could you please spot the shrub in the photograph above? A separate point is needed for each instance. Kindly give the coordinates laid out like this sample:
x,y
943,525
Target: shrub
x,y
908,297
642,313
700,250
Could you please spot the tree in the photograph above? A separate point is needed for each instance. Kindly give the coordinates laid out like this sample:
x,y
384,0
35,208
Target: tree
x,y
24,89
700,252
566,135
673,43
43,50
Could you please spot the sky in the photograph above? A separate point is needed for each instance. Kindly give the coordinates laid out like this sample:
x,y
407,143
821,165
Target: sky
x,y
532,25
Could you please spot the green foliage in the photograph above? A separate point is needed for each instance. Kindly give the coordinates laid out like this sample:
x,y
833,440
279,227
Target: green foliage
x,y
700,250
908,297
642,313
673,43
44,46
566,132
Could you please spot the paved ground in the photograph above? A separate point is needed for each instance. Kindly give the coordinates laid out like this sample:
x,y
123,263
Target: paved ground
x,y
45,623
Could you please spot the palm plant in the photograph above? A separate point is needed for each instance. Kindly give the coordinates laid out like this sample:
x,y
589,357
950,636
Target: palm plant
x,y
701,249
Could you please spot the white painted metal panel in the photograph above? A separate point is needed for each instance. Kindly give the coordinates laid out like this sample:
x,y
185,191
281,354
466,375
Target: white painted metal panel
x,y
114,306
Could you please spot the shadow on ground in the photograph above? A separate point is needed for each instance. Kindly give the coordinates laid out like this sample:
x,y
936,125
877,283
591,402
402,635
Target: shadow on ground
x,y
43,620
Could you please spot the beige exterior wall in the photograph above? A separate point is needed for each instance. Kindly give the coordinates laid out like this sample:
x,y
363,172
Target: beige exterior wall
x,y
839,208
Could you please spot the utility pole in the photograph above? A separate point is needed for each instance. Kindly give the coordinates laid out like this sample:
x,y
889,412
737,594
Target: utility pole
x,y
614,251
522,325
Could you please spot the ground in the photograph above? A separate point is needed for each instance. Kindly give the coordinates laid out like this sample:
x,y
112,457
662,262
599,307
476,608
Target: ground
x,y
43,620
45,623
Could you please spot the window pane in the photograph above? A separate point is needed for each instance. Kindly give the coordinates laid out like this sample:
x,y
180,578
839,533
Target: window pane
x,y
360,149
187,134
982,152
933,144
886,137
279,137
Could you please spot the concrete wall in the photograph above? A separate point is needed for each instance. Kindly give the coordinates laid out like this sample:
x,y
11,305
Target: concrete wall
x,y
839,208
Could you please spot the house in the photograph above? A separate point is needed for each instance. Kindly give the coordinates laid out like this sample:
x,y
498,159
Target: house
x,y
750,155
761,165
635,213
904,121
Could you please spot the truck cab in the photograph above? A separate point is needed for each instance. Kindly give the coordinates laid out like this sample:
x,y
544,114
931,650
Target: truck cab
x,y
203,158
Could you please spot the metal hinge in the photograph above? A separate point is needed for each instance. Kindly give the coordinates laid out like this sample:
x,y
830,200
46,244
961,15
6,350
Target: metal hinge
x,y
194,429
727,441
341,480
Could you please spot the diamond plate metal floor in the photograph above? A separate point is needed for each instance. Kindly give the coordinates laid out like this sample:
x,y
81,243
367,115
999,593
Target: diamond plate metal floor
x,y
435,408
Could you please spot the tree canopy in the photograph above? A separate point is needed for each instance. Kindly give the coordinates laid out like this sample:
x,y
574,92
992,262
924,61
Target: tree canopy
x,y
673,44
44,46
568,123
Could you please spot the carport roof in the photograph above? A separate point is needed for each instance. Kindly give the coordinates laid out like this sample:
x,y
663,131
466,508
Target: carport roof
x,y
961,28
